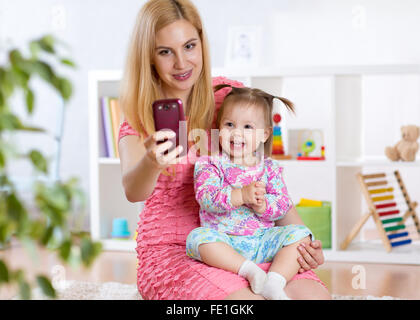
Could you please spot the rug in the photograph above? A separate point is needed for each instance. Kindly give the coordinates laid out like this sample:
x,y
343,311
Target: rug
x,y
79,290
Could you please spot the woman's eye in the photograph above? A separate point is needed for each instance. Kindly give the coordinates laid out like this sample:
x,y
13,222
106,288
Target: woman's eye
x,y
248,126
190,46
164,52
229,124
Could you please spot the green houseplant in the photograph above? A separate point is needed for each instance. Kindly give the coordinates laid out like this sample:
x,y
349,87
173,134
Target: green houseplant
x,y
54,202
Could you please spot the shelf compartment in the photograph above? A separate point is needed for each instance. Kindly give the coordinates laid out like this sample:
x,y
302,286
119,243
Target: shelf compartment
x,y
374,252
118,245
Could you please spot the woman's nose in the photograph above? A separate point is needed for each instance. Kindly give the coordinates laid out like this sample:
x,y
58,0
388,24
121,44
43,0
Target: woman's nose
x,y
180,62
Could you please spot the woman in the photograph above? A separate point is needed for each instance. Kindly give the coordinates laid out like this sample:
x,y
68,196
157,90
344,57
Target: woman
x,y
168,57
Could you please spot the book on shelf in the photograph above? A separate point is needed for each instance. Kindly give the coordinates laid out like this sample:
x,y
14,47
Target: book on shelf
x,y
111,120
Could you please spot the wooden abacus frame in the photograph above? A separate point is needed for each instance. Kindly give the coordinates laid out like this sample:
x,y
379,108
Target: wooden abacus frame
x,y
394,231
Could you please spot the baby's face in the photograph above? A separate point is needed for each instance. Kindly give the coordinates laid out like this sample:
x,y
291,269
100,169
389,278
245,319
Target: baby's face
x,y
242,130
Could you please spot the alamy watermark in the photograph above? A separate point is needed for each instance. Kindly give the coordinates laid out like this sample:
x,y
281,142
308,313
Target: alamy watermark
x,y
220,139
359,280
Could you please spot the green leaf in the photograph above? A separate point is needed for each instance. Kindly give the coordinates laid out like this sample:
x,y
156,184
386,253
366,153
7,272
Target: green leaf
x,y
20,77
46,237
4,273
67,62
15,57
15,209
47,43
36,229
6,82
2,159
65,88
65,249
38,161
5,230
35,48
29,95
46,286
89,251
30,128
24,289
45,71
9,121
52,202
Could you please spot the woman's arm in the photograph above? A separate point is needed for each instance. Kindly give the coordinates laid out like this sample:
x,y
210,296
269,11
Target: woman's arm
x,y
142,163
139,176
312,255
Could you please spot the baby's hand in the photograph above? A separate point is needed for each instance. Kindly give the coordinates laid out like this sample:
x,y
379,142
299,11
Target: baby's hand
x,y
253,194
260,208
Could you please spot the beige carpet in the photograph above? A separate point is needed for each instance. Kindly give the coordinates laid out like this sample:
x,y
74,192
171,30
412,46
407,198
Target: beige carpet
x,y
77,290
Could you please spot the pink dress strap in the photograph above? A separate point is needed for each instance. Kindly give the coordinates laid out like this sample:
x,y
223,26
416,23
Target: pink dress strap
x,y
126,130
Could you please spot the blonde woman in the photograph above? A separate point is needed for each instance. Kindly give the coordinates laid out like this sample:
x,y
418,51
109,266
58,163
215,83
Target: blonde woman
x,y
168,57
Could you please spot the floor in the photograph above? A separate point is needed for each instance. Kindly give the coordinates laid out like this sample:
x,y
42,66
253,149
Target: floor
x,y
401,281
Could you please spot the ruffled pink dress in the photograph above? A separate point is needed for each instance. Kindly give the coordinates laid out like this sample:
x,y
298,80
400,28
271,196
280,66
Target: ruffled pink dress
x,y
164,270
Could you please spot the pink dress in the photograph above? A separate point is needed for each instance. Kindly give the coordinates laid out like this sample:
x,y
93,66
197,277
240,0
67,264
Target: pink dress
x,y
164,271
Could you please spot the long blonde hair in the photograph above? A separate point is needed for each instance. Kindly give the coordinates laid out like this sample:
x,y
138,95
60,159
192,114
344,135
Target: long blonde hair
x,y
140,84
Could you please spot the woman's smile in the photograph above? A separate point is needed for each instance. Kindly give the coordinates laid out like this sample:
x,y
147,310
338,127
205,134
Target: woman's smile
x,y
183,76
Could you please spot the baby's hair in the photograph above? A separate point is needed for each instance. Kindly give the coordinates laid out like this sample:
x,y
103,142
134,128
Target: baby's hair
x,y
253,96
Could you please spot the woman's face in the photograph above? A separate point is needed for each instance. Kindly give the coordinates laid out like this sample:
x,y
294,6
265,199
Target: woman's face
x,y
178,58
242,130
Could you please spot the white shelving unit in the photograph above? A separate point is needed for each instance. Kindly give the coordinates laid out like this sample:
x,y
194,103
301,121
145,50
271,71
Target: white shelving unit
x,y
340,100
107,198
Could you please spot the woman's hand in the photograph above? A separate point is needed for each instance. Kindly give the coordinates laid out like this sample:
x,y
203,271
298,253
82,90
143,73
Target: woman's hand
x,y
156,149
311,255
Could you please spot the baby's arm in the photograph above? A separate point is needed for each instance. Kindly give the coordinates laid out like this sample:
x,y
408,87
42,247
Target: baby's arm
x,y
277,200
209,190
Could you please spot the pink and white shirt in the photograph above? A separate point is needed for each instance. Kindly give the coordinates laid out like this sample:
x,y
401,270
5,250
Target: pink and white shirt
x,y
214,179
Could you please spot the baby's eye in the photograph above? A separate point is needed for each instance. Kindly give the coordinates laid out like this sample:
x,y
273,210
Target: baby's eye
x,y
229,124
248,126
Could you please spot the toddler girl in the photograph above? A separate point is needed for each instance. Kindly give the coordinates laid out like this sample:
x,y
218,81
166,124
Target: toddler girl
x,y
241,194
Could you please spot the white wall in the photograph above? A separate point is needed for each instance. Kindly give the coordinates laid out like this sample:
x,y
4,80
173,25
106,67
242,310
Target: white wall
x,y
296,32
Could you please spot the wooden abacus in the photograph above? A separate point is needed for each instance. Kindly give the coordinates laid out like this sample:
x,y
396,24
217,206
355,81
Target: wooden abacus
x,y
383,208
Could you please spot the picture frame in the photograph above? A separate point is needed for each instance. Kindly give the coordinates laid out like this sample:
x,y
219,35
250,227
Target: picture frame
x,y
243,46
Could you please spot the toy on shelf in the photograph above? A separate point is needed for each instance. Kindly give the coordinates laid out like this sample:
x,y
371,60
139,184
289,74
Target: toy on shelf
x,y
306,144
384,210
310,203
407,147
278,148
309,145
120,229
316,215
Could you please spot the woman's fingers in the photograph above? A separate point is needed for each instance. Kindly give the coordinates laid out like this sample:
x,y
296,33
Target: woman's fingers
x,y
157,136
315,248
303,264
310,261
160,149
172,156
164,134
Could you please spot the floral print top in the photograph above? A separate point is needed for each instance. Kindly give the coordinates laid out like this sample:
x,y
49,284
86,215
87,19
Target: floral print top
x,y
214,179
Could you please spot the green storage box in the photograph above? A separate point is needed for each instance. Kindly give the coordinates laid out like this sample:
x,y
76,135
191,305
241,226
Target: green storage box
x,y
318,219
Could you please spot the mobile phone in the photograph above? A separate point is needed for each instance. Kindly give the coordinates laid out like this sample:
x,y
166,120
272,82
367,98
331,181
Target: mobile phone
x,y
169,114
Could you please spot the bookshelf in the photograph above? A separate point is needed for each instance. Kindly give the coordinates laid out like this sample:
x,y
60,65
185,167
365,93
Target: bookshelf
x,y
339,100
